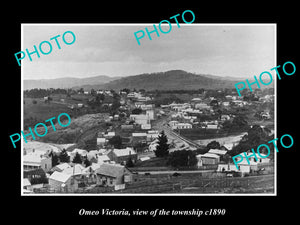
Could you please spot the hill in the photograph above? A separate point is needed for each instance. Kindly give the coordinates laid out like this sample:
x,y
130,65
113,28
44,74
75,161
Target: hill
x,y
67,82
170,80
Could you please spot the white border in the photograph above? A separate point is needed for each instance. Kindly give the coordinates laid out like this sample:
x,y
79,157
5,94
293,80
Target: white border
x,y
146,24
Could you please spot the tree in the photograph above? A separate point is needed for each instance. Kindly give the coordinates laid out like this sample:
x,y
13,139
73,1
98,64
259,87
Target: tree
x,y
77,158
183,158
54,158
86,162
116,141
129,162
162,148
136,111
64,157
213,145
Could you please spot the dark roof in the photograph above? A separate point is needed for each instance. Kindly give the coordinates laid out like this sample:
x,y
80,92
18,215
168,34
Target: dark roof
x,y
29,173
111,170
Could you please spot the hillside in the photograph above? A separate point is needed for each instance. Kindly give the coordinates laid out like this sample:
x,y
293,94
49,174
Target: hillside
x,y
67,82
170,80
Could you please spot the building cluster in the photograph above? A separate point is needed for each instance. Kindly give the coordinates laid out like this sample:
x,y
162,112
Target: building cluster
x,y
107,166
218,159
107,169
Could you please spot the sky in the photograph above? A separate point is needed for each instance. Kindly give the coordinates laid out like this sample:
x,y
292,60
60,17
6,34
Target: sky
x,y
235,50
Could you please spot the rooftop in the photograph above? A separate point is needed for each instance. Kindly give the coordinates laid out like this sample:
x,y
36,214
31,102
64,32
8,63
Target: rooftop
x,y
111,170
59,176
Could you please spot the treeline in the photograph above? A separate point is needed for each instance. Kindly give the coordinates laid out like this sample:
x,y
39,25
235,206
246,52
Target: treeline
x,y
40,93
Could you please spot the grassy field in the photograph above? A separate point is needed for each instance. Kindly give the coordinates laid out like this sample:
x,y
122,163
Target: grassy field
x,y
196,184
42,111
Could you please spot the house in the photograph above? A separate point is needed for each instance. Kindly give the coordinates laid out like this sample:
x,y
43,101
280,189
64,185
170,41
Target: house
x,y
140,118
75,170
92,155
60,167
101,141
35,160
196,100
113,175
37,176
152,135
218,152
150,114
62,182
103,158
145,126
227,146
231,167
26,184
212,126
110,134
86,92
79,105
207,159
138,138
202,106
122,155
173,124
184,126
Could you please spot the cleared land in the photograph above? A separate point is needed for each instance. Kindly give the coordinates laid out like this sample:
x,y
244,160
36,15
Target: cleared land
x,y
196,183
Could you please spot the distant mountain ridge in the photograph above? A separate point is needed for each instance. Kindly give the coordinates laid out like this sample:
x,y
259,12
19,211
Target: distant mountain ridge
x,y
169,80
67,82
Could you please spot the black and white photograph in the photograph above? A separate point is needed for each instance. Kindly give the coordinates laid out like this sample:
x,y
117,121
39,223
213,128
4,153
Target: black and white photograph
x,y
144,113
108,111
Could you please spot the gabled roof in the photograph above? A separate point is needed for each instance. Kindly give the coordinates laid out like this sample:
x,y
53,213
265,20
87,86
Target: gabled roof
x,y
63,166
208,155
228,146
77,169
111,170
217,151
59,176
26,182
124,152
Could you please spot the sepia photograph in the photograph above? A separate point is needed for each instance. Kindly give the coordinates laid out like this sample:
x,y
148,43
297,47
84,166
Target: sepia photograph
x,y
178,109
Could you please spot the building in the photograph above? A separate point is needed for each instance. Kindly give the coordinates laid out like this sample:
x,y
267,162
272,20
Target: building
x,y
202,106
110,134
140,118
60,167
212,126
150,114
101,141
113,175
152,135
62,182
122,155
35,160
207,159
138,138
218,152
184,126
